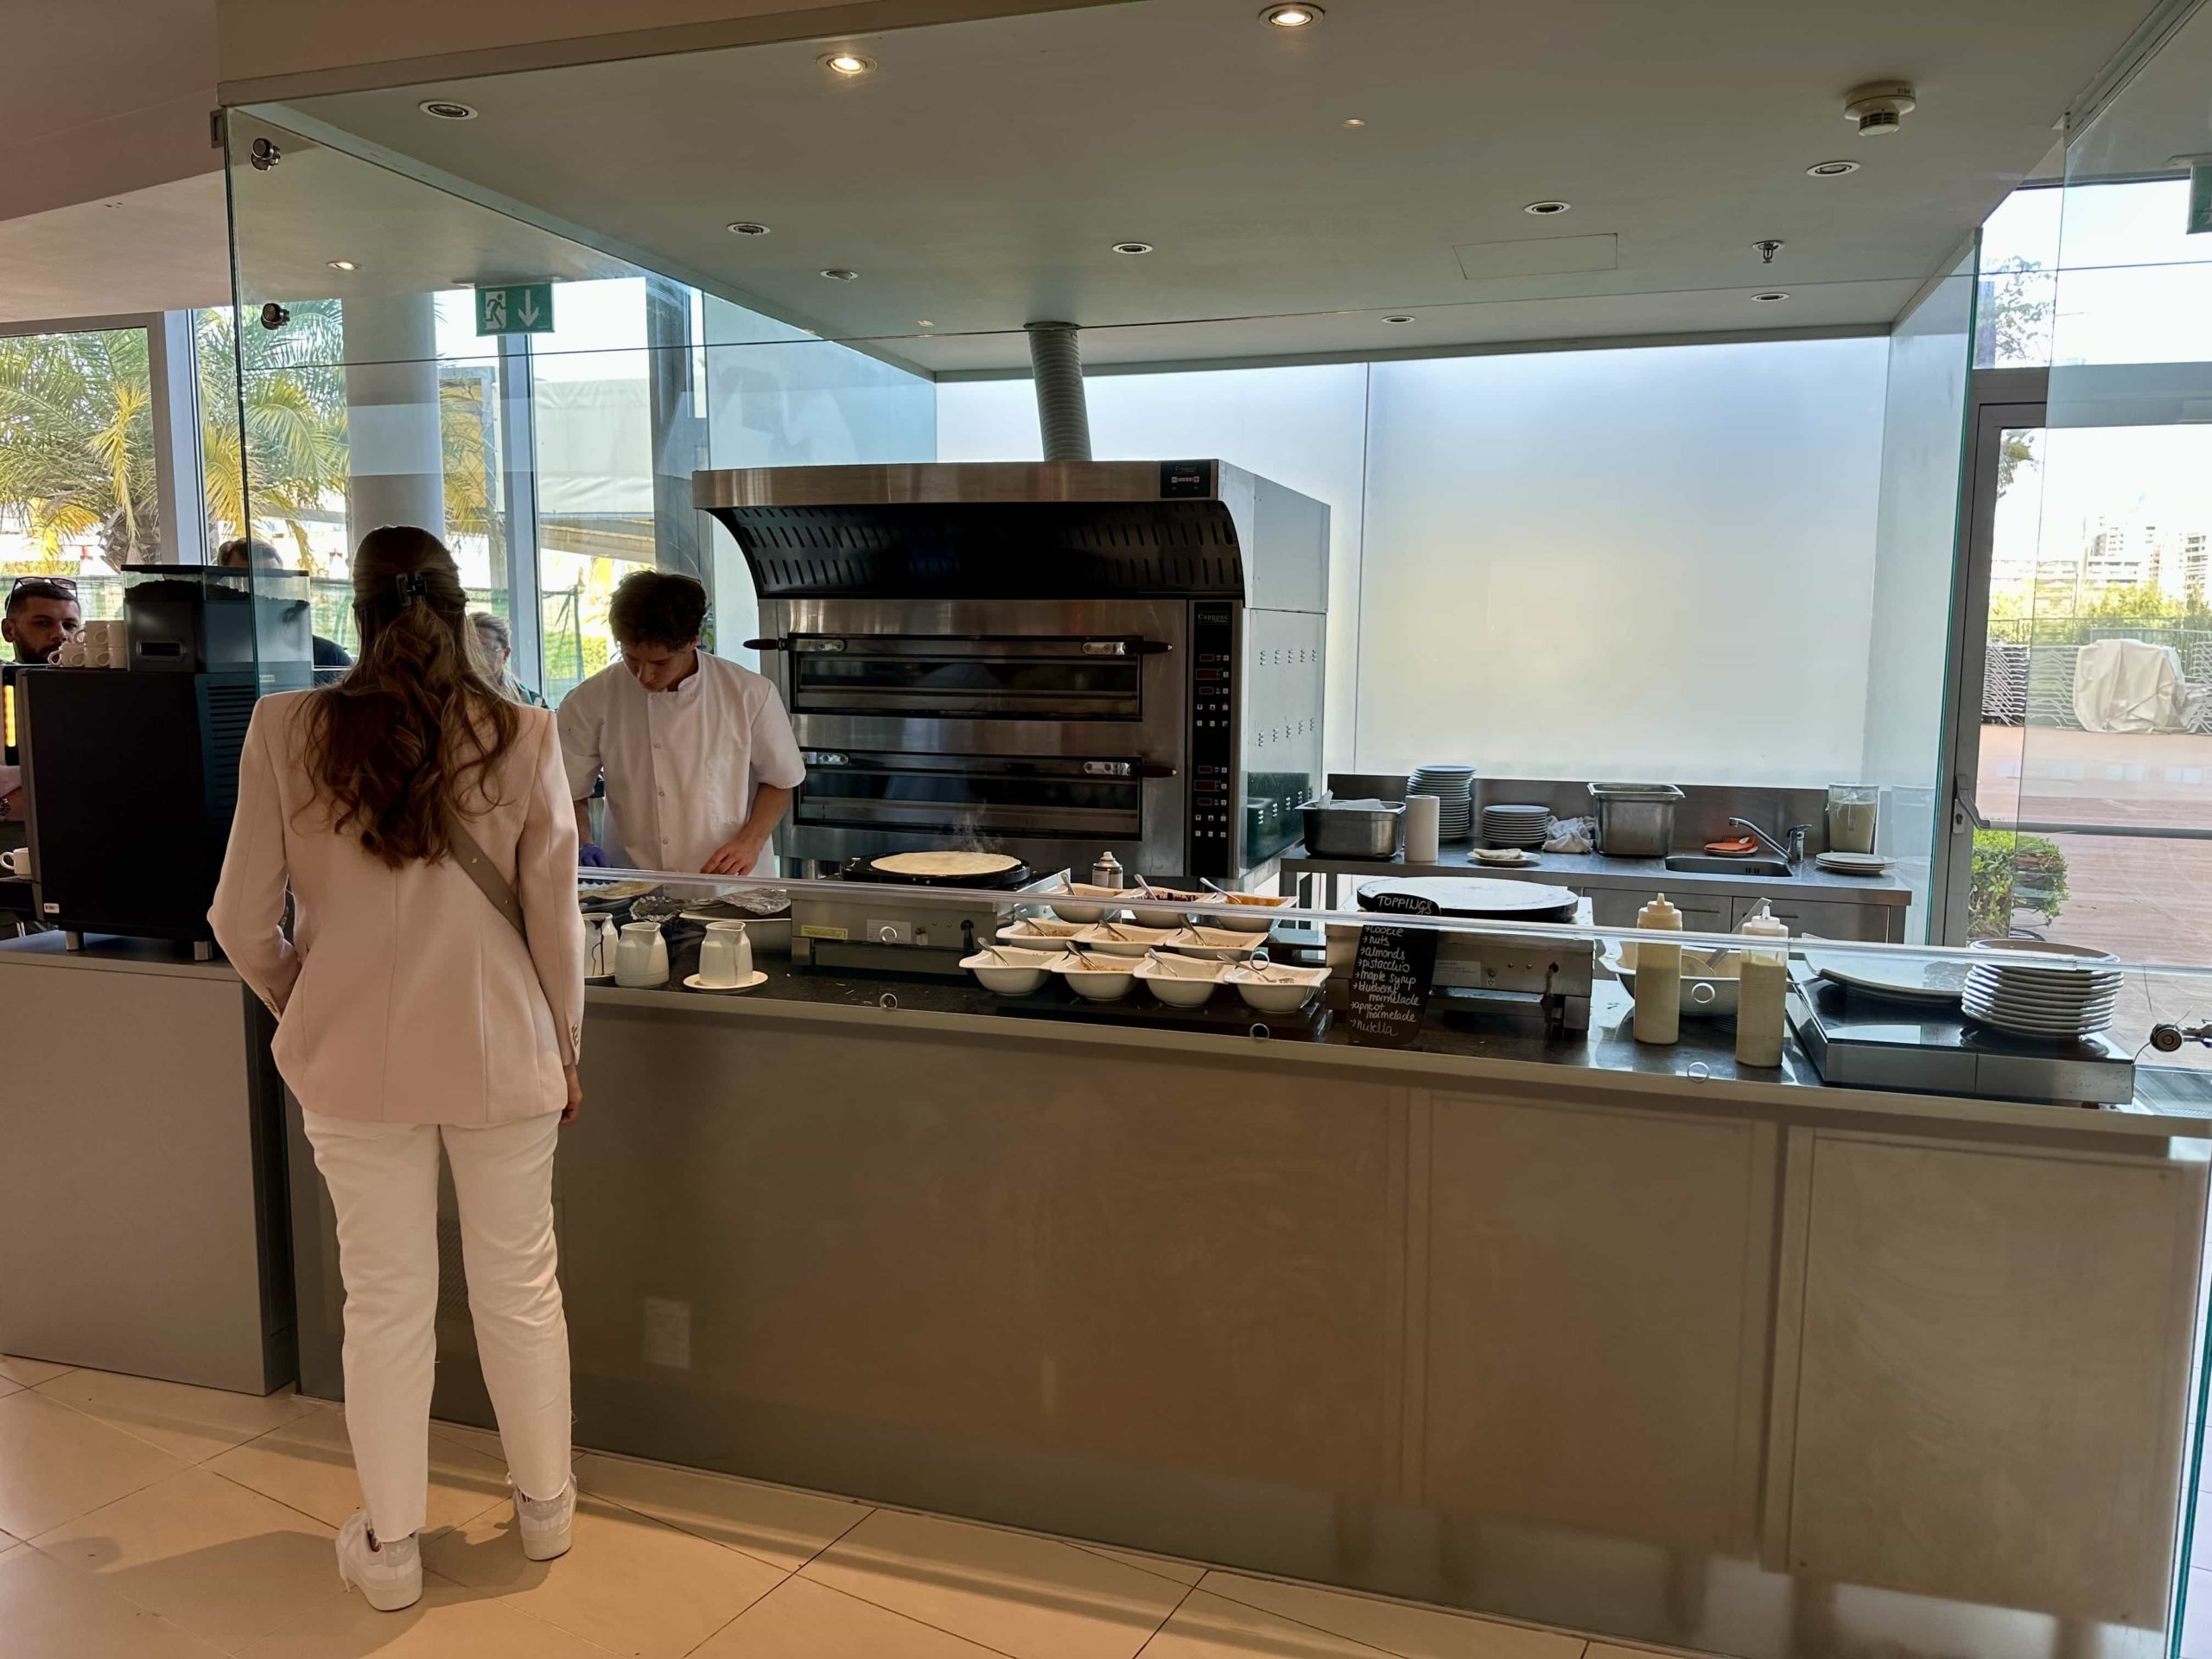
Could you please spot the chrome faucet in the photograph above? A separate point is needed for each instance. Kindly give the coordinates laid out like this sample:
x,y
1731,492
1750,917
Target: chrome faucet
x,y
1791,853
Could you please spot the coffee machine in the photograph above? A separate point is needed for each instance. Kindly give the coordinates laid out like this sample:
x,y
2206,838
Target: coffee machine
x,y
130,776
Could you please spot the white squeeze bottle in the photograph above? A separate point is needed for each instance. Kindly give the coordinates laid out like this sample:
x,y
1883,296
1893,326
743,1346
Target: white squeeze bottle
x,y
1759,995
1658,976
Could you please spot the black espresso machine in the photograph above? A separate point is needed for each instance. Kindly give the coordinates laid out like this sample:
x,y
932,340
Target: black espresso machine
x,y
1046,659
130,776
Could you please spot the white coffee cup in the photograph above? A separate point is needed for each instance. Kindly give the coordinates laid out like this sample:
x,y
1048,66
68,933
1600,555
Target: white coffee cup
x,y
725,957
641,959
17,860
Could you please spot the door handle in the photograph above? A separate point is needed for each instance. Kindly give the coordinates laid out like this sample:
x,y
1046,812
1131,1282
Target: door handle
x,y
766,644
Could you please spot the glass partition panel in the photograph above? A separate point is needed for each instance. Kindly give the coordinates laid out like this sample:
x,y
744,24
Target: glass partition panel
x,y
2115,638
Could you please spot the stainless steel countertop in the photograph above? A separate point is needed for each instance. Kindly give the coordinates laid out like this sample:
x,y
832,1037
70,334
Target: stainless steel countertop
x,y
1451,1050
1596,870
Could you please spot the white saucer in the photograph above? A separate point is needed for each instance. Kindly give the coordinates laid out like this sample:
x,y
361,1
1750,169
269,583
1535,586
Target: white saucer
x,y
693,982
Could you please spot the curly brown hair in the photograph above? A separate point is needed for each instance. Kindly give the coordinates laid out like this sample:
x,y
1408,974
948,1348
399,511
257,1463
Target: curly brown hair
x,y
414,725
658,607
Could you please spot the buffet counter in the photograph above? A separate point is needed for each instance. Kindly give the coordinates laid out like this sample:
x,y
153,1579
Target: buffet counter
x,y
1565,1329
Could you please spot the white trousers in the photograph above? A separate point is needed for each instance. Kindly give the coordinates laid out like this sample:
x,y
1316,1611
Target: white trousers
x,y
383,1183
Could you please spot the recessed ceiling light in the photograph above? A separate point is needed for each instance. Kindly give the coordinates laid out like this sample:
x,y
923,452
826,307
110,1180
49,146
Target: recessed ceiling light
x,y
1831,169
1398,317
1771,296
847,64
343,265
1292,17
747,227
839,274
1355,121
1546,209
1133,247
444,109
924,322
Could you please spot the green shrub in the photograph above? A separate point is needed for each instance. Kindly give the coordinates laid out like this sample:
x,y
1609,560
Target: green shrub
x,y
2012,872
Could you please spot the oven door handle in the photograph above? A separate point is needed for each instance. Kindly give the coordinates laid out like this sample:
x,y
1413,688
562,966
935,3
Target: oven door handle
x,y
1126,769
766,644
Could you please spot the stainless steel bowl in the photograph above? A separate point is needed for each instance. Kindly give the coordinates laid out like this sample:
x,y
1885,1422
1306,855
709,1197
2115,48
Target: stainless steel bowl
x,y
1352,828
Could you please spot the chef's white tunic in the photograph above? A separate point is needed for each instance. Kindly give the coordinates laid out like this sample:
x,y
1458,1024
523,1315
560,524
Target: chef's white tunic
x,y
681,765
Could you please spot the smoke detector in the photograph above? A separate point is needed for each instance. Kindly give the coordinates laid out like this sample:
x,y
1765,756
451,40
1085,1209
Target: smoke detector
x,y
1879,107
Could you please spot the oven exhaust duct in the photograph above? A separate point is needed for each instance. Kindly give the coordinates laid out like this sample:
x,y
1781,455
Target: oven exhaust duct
x,y
1056,360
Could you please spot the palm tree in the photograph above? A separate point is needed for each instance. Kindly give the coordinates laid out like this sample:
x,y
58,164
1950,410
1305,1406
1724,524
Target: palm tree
x,y
293,461
77,440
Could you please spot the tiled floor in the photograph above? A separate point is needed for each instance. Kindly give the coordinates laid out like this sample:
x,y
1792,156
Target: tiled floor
x,y
145,1520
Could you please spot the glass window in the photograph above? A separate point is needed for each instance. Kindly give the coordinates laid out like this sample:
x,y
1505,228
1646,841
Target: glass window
x,y
78,490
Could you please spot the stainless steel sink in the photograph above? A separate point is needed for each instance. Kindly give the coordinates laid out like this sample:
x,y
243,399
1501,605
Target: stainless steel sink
x,y
1702,864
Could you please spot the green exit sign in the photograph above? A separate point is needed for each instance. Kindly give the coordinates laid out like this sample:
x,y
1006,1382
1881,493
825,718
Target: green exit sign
x,y
516,308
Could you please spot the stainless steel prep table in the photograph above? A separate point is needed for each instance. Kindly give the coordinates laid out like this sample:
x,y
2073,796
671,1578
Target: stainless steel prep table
x,y
1813,900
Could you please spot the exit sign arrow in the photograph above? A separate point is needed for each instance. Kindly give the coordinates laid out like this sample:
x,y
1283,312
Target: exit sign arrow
x,y
515,308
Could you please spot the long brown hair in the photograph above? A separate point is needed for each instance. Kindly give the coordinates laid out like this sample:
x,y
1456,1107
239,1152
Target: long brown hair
x,y
414,724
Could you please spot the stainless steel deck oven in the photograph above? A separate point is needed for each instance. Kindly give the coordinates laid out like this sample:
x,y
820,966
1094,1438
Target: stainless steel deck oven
x,y
1046,659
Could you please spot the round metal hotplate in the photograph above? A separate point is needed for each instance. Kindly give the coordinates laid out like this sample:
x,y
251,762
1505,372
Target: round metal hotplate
x,y
1014,874
1476,896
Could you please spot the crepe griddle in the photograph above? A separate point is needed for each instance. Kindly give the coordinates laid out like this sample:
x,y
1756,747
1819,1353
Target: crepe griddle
x,y
1479,898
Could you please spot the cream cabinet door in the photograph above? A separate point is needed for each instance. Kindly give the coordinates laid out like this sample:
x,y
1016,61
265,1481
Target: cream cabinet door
x,y
1993,1367
1616,907
1598,1286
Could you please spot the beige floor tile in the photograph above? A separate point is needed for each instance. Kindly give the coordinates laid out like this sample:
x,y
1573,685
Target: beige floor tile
x,y
1183,1573
1033,1597
771,1524
8,1542
8,1388
1207,1627
47,1611
802,1620
185,1422
483,1441
28,1373
1607,1651
630,1584
451,1622
226,1564
56,1463
1402,1628
308,1464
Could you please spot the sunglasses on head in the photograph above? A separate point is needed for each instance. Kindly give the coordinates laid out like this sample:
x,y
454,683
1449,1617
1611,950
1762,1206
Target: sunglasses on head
x,y
63,582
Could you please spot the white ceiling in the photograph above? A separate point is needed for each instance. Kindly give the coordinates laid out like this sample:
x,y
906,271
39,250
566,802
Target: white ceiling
x,y
158,249
978,177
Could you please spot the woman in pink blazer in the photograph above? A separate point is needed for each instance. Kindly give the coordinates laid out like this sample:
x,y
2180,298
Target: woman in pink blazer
x,y
414,1014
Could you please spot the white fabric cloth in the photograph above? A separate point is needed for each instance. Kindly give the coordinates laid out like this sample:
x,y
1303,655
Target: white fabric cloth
x,y
384,1184
2128,685
681,765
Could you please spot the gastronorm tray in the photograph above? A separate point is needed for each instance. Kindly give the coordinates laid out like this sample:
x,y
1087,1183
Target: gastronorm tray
x,y
1222,1017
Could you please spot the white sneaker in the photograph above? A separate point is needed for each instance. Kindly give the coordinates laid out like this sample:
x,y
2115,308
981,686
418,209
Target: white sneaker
x,y
546,1523
389,1572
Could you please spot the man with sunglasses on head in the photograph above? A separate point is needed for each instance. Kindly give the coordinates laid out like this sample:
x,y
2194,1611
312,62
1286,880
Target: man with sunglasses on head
x,y
42,614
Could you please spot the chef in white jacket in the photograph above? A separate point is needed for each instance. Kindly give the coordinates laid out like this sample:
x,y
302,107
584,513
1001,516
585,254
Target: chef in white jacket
x,y
697,752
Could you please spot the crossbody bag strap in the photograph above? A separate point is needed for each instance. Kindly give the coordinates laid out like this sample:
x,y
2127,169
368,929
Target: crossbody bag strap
x,y
477,865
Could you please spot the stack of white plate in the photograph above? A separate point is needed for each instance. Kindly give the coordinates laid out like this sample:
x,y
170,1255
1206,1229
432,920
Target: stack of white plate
x,y
2068,995
1454,787
1852,863
1515,826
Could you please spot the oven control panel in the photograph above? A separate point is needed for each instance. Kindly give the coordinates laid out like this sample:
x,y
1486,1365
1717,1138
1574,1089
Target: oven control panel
x,y
1213,806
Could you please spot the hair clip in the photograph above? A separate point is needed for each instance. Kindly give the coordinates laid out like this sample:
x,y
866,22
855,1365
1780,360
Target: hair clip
x,y
413,585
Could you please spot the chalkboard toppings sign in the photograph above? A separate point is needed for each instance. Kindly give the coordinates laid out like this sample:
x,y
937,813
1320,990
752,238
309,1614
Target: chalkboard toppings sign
x,y
1391,974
